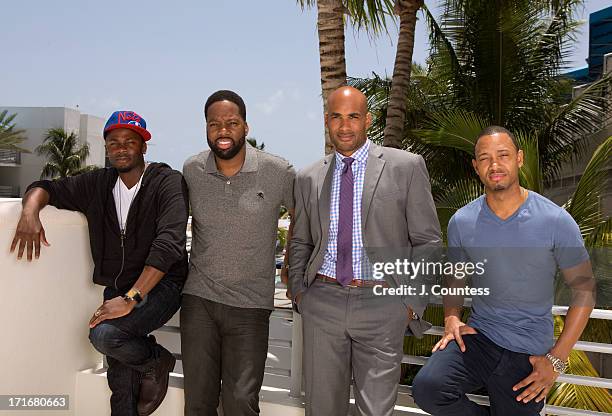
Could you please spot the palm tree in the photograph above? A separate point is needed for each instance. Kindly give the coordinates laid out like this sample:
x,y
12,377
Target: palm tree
x,y
367,14
396,110
494,63
65,155
500,63
10,136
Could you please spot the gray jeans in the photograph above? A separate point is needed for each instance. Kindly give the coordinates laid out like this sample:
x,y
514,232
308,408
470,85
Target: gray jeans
x,y
222,343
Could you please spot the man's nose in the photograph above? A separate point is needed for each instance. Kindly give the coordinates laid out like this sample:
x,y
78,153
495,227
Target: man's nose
x,y
224,129
344,124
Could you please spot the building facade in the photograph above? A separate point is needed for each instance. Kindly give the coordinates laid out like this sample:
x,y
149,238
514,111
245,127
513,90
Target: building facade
x,y
19,169
599,62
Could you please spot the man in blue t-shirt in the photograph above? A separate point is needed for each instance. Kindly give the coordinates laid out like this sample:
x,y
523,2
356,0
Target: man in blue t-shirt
x,y
507,345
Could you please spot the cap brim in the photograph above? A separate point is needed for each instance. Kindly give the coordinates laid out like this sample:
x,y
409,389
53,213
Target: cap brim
x,y
146,136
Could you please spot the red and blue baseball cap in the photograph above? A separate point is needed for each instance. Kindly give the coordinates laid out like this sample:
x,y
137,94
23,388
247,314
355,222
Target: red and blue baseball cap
x,y
127,120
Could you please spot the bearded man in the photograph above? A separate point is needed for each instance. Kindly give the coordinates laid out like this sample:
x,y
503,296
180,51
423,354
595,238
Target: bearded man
x,y
236,192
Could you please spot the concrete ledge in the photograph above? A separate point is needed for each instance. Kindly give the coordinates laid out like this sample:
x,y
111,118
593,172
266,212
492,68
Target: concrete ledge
x,y
46,306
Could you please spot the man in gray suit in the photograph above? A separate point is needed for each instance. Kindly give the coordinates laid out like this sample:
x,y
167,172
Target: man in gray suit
x,y
362,196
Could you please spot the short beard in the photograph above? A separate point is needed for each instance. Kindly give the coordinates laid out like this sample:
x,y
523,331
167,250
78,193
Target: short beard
x,y
124,169
229,153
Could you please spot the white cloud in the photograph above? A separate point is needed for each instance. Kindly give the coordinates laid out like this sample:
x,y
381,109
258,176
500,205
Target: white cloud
x,y
272,103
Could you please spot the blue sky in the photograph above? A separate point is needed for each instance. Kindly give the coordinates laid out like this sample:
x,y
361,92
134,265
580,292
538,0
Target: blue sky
x,y
163,61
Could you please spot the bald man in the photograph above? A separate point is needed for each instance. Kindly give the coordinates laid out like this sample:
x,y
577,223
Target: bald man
x,y
360,197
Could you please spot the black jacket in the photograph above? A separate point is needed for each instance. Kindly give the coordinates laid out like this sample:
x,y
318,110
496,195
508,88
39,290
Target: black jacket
x,y
156,222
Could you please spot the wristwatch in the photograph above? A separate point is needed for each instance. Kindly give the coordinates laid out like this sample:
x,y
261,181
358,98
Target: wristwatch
x,y
133,294
558,364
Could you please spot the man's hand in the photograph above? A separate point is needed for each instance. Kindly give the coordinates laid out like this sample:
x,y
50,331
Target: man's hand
x,y
29,234
410,315
454,329
539,381
111,309
284,275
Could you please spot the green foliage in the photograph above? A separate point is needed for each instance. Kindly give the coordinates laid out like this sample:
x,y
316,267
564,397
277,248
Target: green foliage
x,y
10,136
253,142
494,63
368,15
65,155
282,237
460,194
585,204
530,173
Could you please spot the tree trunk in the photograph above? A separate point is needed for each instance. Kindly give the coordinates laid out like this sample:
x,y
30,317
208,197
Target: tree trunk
x,y
330,16
396,111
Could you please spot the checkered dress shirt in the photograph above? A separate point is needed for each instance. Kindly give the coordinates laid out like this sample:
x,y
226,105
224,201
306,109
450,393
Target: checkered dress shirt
x,y
361,267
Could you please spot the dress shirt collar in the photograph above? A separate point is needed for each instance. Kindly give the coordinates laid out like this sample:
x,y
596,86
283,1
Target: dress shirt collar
x,y
360,155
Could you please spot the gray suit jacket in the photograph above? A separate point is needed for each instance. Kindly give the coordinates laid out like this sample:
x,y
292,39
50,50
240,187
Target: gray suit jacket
x,y
398,214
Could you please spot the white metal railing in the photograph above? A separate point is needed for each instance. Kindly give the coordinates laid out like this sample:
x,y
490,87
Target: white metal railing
x,y
11,157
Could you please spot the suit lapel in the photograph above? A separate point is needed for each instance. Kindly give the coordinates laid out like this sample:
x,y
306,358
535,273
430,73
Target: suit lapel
x,y
324,180
374,168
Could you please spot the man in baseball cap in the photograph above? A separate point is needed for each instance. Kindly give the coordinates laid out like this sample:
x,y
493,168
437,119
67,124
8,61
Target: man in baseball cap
x,y
127,120
137,216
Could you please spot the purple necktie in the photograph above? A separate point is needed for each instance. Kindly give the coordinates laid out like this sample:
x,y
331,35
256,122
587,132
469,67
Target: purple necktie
x,y
344,263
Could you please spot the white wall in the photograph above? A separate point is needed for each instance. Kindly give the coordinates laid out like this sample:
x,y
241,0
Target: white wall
x,y
91,133
45,307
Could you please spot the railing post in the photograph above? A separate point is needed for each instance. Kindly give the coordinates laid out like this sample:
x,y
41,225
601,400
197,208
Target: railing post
x,y
296,356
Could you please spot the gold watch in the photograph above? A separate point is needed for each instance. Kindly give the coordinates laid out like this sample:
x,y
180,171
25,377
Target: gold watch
x,y
133,294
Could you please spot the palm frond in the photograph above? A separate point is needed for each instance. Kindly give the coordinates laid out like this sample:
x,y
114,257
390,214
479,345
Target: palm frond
x,y
377,91
454,197
530,171
585,204
456,128
555,36
66,156
569,125
368,15
10,136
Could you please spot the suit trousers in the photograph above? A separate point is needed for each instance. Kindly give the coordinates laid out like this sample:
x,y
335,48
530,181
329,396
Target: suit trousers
x,y
349,333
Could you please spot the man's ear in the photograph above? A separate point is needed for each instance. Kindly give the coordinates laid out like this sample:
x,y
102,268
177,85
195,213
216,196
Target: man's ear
x,y
144,147
520,157
368,120
246,129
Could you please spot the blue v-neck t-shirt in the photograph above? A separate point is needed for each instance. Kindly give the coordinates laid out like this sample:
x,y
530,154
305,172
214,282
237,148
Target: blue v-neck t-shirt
x,y
521,255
